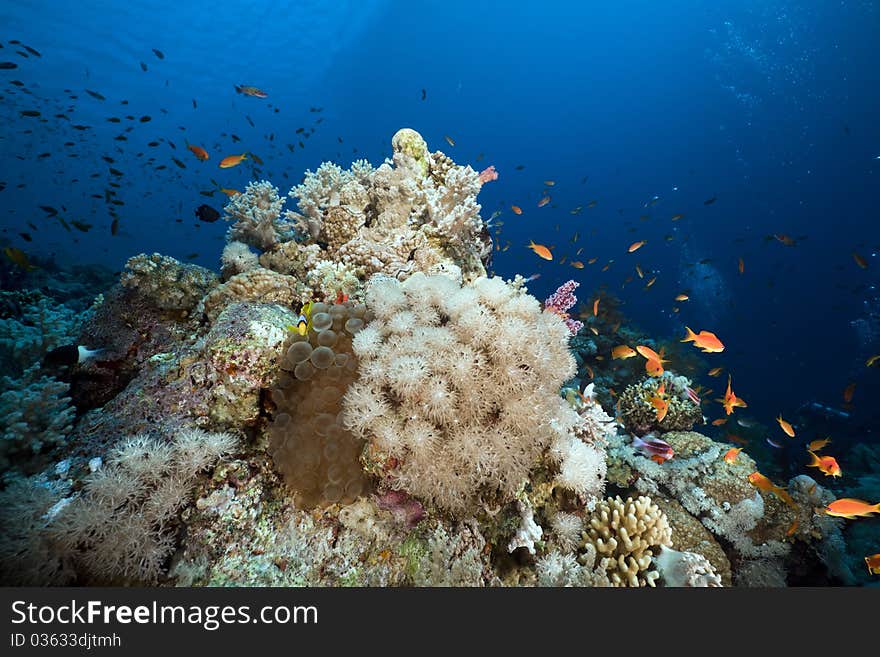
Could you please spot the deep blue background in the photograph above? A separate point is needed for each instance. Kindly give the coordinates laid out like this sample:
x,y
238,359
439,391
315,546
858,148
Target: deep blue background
x,y
769,106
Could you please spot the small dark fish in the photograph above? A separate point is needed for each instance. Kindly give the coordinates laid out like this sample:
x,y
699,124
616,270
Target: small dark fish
x,y
108,159
64,223
255,158
144,119
44,155
207,214
116,172
17,83
195,105
120,138
8,65
114,227
48,209
171,143
95,94
62,116
235,138
158,53
32,51
69,355
14,42
208,193
79,126
26,237
520,167
424,94
710,201
114,119
300,130
29,113
192,256
339,139
250,120
143,66
178,163
79,225
153,143
117,202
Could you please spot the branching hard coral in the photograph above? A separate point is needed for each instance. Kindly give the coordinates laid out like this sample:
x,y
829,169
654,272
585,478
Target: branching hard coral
x,y
257,216
120,527
639,415
626,535
457,392
167,283
35,414
332,202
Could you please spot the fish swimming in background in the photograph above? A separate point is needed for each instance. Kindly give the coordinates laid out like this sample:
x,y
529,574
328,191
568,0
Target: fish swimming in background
x,y
158,53
730,400
516,209
207,214
873,359
540,250
651,446
544,201
18,258
198,151
786,427
623,352
682,297
715,371
635,246
741,266
827,464
70,355
449,140
848,393
232,161
706,341
762,483
816,445
848,507
860,261
873,563
250,91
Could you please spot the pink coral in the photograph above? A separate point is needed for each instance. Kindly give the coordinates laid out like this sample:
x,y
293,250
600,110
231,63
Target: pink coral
x,y
560,301
488,175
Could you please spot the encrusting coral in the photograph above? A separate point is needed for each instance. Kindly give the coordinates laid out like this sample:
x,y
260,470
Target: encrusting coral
x,y
168,284
457,388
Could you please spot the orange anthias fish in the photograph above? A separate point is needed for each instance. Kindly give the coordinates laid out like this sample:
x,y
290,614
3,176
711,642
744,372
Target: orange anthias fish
x,y
577,264
596,308
873,563
541,251
251,91
816,445
682,297
848,393
659,403
635,246
707,341
742,266
730,400
649,354
544,201
793,528
873,359
198,151
847,507
654,367
715,371
860,261
785,239
232,161
516,209
761,482
623,352
229,192
719,421
786,427
827,464
732,453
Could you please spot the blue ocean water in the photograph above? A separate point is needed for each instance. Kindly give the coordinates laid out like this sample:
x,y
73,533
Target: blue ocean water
x,y
649,109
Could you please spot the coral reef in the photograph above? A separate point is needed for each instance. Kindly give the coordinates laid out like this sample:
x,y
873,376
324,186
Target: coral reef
x,y
456,389
167,283
258,284
35,415
256,214
640,416
685,569
237,258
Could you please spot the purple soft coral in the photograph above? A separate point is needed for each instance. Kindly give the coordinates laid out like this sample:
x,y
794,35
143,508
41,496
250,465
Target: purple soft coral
x,y
560,301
